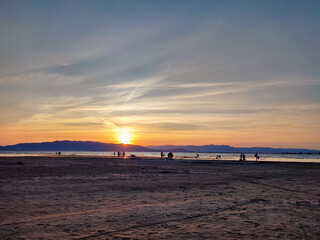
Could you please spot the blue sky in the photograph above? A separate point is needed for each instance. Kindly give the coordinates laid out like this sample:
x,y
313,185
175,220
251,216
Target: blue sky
x,y
244,73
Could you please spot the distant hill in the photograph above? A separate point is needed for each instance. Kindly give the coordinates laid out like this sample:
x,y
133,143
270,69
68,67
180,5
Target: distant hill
x,y
75,146
229,149
111,147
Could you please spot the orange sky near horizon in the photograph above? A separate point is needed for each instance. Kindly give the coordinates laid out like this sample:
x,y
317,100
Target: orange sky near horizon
x,y
144,137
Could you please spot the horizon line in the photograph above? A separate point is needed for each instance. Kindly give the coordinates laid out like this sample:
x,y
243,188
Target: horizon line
x,y
147,146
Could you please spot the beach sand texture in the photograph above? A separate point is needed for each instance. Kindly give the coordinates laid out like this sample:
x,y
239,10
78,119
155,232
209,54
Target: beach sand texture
x,y
98,198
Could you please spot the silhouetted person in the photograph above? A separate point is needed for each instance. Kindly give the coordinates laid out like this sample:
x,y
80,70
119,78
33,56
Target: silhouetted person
x,y
123,154
197,155
242,157
170,155
257,156
118,154
162,155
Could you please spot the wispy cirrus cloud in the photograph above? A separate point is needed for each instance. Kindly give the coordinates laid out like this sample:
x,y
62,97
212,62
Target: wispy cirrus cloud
x,y
213,68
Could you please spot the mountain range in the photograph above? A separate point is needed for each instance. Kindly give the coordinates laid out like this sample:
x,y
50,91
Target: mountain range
x,y
98,146
229,149
75,146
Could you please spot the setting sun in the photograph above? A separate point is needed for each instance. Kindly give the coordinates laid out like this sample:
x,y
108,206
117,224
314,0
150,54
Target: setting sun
x,y
125,136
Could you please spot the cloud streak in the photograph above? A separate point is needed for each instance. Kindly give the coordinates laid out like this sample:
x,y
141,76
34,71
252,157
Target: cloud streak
x,y
211,72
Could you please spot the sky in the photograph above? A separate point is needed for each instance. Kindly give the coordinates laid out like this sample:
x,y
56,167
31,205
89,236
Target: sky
x,y
241,73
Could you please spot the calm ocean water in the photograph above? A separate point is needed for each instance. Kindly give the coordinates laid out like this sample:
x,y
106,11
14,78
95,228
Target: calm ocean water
x,y
182,155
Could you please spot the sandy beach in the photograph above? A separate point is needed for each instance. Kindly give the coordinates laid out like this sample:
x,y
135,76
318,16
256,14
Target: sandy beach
x,y
104,198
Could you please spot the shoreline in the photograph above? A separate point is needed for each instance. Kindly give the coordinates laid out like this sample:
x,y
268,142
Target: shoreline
x,y
195,160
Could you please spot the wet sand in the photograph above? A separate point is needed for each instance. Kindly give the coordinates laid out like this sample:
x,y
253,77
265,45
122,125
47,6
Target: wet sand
x,y
104,198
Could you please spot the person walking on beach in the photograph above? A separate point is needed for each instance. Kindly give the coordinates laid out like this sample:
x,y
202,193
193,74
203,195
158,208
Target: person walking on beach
x,y
162,155
119,154
123,154
242,157
257,156
170,155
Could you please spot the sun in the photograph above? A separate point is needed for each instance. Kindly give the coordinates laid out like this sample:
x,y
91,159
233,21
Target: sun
x,y
125,136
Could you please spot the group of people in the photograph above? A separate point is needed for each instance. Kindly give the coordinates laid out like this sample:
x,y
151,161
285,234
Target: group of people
x,y
243,157
170,155
119,154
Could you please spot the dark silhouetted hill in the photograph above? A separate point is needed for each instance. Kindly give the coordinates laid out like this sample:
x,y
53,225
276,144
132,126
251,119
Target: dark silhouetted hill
x,y
75,146
229,149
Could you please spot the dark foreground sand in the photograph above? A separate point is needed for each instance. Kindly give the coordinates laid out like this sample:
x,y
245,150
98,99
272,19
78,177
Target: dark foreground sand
x,y
98,198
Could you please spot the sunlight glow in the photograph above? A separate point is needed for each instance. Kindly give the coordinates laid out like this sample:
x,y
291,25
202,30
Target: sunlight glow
x,y
125,136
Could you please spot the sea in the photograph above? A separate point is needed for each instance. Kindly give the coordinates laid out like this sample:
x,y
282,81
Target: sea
x,y
314,158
